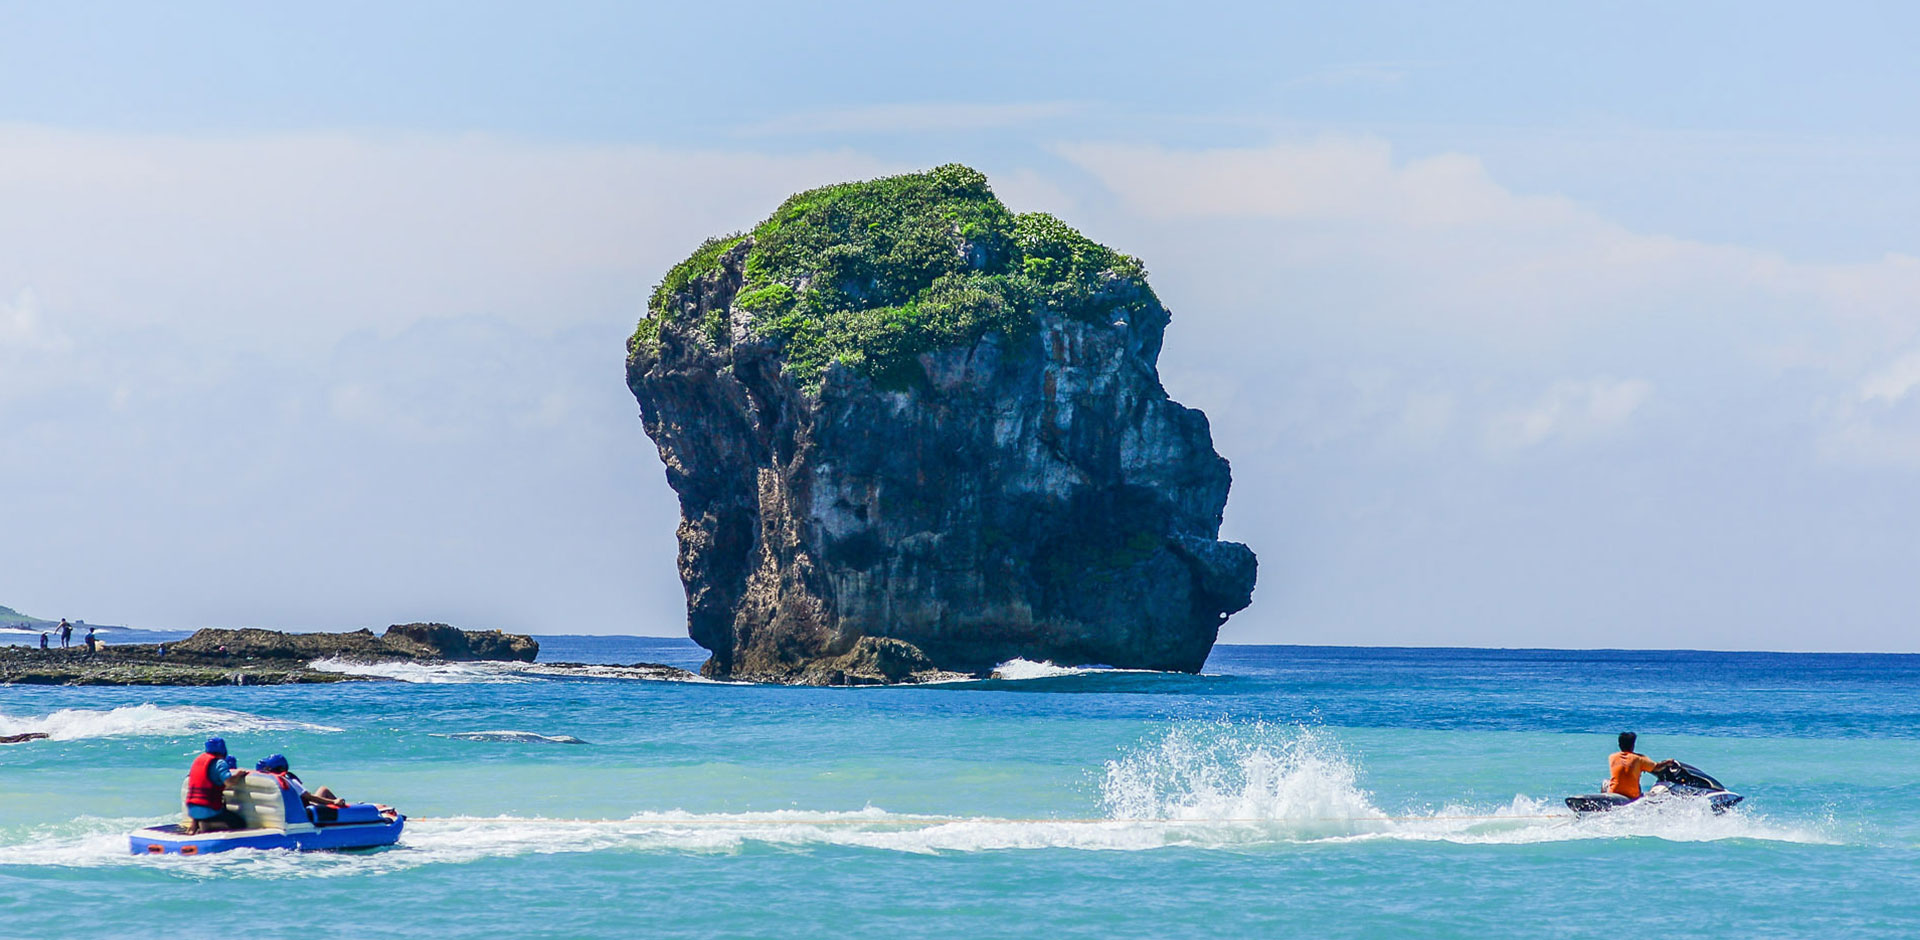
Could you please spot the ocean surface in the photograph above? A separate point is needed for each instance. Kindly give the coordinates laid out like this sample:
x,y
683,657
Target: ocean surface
x,y
1287,792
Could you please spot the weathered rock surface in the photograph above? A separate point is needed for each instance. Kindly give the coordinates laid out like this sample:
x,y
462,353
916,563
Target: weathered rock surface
x,y
439,641
1030,491
401,642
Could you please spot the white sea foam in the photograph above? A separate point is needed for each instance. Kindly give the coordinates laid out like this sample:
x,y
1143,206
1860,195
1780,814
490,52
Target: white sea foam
x,y
1017,670
428,673
69,724
498,672
1020,669
523,737
611,671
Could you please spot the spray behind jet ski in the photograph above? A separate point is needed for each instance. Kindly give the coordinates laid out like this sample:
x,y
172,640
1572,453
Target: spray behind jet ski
x,y
1678,781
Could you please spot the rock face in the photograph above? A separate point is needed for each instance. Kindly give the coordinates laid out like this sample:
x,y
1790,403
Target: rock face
x,y
895,410
439,641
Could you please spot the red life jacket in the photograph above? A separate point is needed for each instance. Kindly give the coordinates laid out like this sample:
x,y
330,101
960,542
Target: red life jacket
x,y
202,789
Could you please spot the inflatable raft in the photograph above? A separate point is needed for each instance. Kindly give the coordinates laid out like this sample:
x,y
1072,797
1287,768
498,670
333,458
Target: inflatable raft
x,y
276,819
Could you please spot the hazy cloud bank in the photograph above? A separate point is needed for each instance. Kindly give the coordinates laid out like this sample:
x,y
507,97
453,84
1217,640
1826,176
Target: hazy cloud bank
x,y
332,379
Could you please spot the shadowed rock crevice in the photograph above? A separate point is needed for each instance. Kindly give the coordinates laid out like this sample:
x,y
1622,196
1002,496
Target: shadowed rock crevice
x,y
897,411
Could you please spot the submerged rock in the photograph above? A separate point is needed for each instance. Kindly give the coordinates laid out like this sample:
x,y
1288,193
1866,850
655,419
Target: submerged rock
x,y
897,412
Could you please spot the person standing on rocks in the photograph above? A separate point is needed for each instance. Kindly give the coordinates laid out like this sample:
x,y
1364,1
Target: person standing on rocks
x,y
92,642
66,633
43,639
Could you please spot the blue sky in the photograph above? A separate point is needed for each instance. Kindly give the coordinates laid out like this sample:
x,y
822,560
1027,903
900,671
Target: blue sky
x,y
1523,325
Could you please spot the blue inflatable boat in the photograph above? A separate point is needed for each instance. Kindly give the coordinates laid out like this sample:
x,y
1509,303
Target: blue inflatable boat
x,y
276,819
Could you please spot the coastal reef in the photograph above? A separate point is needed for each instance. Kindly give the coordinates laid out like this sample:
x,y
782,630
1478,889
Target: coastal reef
x,y
258,657
916,434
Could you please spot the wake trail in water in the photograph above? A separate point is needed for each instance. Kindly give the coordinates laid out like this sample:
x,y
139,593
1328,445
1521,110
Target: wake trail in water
x,y
1195,785
515,737
71,724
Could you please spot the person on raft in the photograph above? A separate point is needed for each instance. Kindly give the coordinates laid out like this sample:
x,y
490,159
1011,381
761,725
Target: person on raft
x,y
1625,767
207,782
325,802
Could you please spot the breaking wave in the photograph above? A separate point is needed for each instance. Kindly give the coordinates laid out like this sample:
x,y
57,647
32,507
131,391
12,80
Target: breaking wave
x,y
1021,670
1015,670
69,724
427,673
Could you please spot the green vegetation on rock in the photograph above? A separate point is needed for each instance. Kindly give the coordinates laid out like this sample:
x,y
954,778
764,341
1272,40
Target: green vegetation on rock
x,y
9,615
872,274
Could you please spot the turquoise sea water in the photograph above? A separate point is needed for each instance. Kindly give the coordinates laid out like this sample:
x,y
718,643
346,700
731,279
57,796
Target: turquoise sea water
x,y
1289,791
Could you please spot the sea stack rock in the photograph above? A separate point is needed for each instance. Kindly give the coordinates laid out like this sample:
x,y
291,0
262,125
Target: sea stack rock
x,y
912,431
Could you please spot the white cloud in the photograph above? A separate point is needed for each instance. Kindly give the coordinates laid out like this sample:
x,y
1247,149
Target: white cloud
x,y
300,238
1878,424
33,353
1892,383
1569,411
23,330
395,361
1442,227
1329,179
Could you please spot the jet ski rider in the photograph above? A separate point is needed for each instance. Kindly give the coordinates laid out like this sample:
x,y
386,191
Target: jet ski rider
x,y
207,783
1624,768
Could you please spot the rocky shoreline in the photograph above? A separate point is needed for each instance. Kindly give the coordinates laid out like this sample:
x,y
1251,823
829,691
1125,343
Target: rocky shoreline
x,y
269,657
259,657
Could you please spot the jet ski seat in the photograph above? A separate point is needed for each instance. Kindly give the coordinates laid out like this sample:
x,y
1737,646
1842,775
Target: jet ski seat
x,y
262,800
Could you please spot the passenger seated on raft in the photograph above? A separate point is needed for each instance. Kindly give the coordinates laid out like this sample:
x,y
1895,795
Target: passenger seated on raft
x,y
1625,767
325,803
207,782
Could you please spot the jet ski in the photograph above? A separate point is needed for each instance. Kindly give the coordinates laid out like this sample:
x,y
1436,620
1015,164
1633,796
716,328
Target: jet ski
x,y
276,819
1677,781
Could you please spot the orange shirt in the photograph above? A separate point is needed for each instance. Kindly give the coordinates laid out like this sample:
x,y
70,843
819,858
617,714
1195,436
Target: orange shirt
x,y
1625,769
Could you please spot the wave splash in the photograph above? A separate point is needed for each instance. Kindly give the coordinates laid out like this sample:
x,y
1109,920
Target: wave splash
x,y
1224,783
1219,772
72,724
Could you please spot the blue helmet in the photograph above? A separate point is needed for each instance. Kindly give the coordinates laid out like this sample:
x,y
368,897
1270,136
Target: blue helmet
x,y
217,747
273,764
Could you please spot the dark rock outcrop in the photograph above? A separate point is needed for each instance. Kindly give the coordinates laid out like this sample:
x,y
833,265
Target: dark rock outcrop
x,y
439,641
922,496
